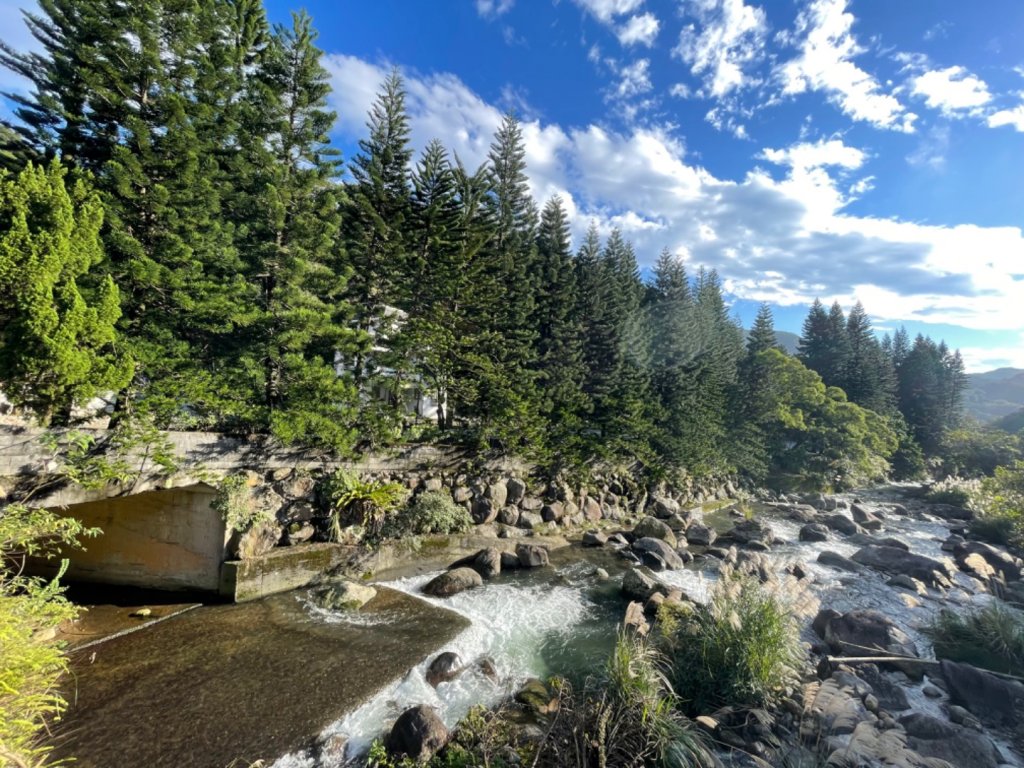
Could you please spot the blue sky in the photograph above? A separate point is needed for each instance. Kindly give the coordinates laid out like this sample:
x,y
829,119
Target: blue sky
x,y
844,149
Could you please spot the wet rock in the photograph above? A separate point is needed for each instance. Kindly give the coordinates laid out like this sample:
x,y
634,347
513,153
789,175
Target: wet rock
x,y
961,716
796,570
638,586
657,554
891,695
484,511
618,540
801,513
893,560
651,527
993,700
678,523
444,668
951,543
756,565
750,530
814,532
532,555
485,666
756,545
865,517
452,582
903,581
725,555
510,561
836,560
842,524
701,535
418,733
1000,561
343,595
594,539
536,697
931,692
601,574
508,515
662,506
931,737
685,555
515,490
867,633
488,562
867,540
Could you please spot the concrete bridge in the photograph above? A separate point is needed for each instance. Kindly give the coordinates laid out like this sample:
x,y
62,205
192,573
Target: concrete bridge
x,y
160,529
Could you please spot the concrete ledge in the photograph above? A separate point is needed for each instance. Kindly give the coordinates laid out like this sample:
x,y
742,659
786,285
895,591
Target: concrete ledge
x,y
280,570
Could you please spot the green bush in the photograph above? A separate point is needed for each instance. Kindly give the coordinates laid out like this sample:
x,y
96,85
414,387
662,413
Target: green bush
x,y
991,637
743,648
364,503
430,512
952,491
999,506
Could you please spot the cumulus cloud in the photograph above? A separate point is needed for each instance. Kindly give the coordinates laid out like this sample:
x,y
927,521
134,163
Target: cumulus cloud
x,y
606,11
782,239
953,90
827,49
490,9
640,29
725,38
634,79
1012,117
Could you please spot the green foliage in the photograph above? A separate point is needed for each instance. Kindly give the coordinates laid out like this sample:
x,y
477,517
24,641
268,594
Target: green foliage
x,y
31,664
999,506
57,312
742,648
430,512
991,637
365,503
951,490
236,506
972,451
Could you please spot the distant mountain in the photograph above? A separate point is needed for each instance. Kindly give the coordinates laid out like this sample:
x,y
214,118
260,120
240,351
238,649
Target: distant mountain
x,y
786,340
1012,423
994,394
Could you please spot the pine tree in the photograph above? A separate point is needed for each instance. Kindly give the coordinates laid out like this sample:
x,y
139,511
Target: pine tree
x,y
762,334
823,346
867,380
58,344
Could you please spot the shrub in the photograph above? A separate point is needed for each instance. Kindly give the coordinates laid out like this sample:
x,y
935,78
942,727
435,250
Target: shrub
x,y
431,512
952,490
365,503
999,506
991,637
742,648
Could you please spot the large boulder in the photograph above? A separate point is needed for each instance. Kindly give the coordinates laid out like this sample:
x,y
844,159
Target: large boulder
x,y
487,562
258,540
959,746
746,531
1000,561
508,515
994,700
842,524
936,573
700,535
532,555
594,539
653,528
834,559
498,494
865,517
814,532
552,512
950,512
657,554
516,489
662,506
591,509
418,733
638,586
452,582
484,510
867,633
444,668
343,595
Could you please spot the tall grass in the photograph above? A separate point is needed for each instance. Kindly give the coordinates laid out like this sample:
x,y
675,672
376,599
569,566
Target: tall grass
x,y
991,637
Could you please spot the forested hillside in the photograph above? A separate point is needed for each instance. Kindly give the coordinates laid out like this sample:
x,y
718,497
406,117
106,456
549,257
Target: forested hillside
x,y
994,394
176,227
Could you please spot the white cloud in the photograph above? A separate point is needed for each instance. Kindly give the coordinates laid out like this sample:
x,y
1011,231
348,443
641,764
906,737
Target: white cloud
x,y
951,90
781,240
606,11
642,29
824,36
1012,117
634,79
680,91
16,35
932,150
491,9
727,36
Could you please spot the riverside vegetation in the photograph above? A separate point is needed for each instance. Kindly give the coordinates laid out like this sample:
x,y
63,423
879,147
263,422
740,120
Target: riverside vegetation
x,y
176,236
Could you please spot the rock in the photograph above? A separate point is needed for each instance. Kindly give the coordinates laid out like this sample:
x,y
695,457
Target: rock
x,y
297,512
657,554
931,737
498,494
867,540
993,700
299,533
998,560
893,560
756,545
678,523
433,484
298,485
842,524
485,666
536,697
531,504
836,560
591,509
651,527
814,532
532,555
865,517
452,582
638,586
891,696
961,716
950,512
487,562
594,539
461,494
530,520
931,692
601,574
516,490
552,512
951,543
418,733
802,513
832,709
746,531
868,633
662,506
878,744
343,595
618,540
902,581
141,613
258,540
510,561
444,668
508,515
796,570
700,535
635,621
484,511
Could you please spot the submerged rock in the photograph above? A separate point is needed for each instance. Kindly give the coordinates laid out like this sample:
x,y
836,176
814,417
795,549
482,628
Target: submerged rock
x,y
444,668
814,532
418,733
452,582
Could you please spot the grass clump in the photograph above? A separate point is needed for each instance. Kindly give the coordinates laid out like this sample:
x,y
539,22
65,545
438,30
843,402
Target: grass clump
x,y
742,649
991,637
629,716
999,507
952,490
430,512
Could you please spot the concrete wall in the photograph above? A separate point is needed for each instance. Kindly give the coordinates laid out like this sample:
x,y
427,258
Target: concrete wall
x,y
169,539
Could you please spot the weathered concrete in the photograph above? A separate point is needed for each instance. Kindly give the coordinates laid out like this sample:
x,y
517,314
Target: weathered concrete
x,y
280,570
159,539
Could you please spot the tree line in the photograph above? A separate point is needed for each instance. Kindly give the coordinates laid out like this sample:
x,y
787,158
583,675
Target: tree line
x,y
176,226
